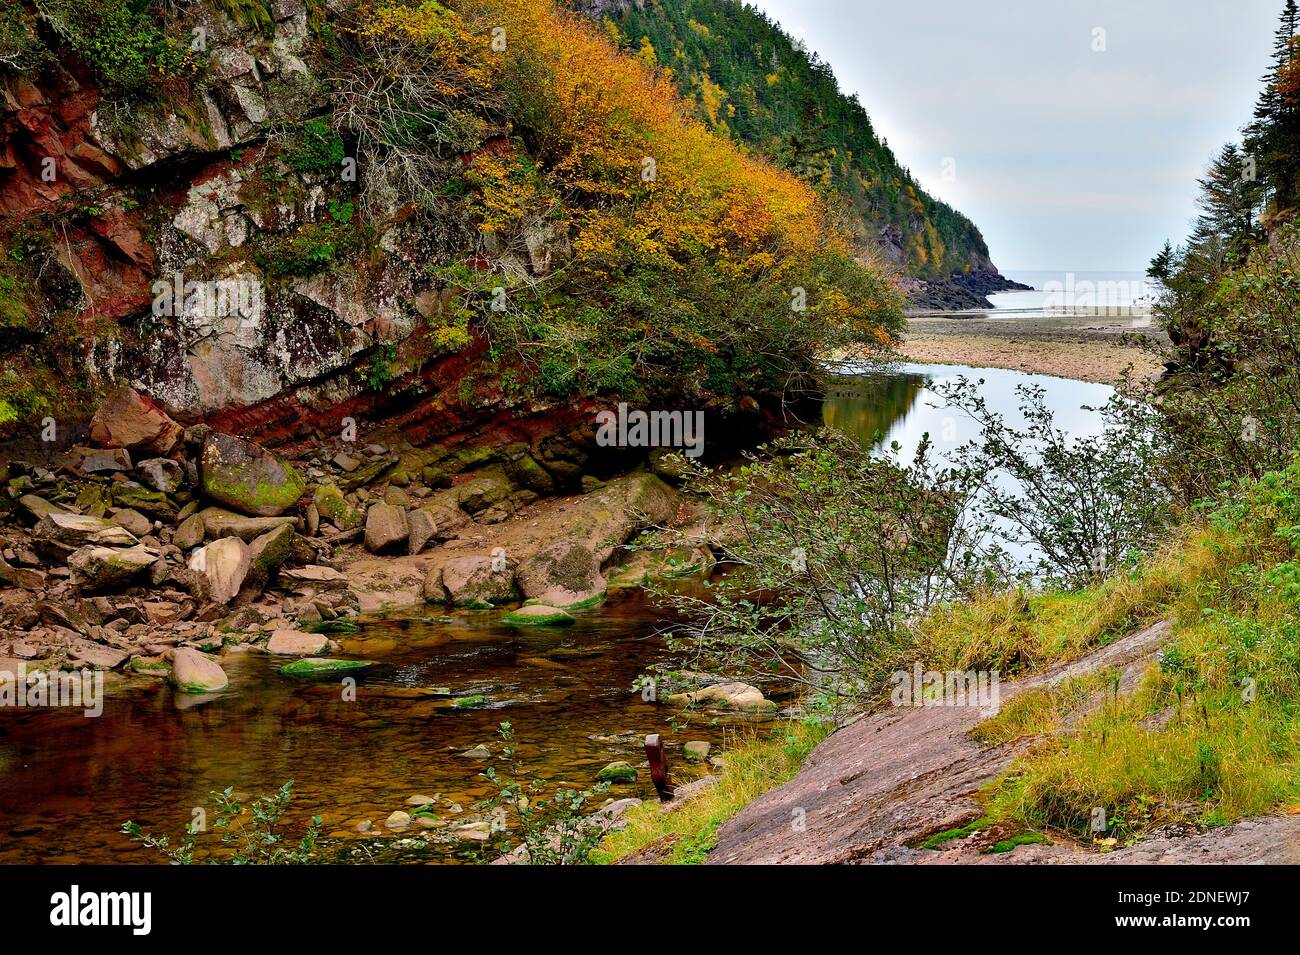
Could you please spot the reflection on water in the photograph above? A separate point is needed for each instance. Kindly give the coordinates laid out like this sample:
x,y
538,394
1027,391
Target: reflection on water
x,y
881,408
866,406
900,405
67,783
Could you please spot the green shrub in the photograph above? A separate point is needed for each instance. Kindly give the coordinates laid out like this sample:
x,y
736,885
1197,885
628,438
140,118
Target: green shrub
x,y
318,149
119,40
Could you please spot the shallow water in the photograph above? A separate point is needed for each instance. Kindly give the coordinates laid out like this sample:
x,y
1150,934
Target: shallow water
x,y
67,783
900,405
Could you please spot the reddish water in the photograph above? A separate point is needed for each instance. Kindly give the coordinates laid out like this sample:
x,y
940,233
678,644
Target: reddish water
x,y
67,783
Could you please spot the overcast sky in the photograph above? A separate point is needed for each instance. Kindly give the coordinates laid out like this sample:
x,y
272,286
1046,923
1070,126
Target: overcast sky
x,y
1065,158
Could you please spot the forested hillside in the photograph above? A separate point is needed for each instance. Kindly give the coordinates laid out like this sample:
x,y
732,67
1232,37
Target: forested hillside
x,y
746,78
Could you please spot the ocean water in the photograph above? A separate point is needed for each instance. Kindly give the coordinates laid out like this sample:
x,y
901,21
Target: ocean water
x,y
1078,292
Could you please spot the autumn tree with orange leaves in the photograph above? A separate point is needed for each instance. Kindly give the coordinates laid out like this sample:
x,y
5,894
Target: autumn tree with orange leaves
x,y
678,266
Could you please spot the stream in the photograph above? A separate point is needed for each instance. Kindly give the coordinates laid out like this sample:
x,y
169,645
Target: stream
x,y
67,783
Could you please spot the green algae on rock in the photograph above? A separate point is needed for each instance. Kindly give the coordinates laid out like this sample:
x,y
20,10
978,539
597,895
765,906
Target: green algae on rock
x,y
247,478
538,615
320,667
619,771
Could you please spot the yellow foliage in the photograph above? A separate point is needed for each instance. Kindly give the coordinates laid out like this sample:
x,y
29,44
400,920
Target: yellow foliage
x,y
646,55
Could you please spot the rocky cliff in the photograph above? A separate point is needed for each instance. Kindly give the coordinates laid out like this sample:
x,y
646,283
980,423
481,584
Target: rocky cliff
x,y
206,201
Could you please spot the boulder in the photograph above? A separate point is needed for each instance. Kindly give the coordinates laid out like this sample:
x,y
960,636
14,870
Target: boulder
x,y
538,615
25,578
266,554
423,527
483,491
161,474
296,643
564,574
218,522
195,672
94,655
247,478
225,563
127,419
37,507
386,528
619,771
471,582
78,530
132,520
190,533
333,506
103,568
726,696
523,470
140,498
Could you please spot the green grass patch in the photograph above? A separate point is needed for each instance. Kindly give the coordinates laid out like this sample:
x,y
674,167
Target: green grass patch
x,y
753,765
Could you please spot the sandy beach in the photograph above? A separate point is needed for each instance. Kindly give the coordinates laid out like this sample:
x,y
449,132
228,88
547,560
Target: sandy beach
x,y
1089,348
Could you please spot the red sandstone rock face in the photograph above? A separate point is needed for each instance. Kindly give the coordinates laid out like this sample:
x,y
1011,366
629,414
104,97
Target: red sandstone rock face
x,y
48,153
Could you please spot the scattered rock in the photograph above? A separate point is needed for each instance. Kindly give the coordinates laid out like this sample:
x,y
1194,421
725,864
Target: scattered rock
x,y
133,521
296,643
94,654
78,530
731,696
423,527
483,491
98,460
386,528
323,668
333,506
477,752
314,577
473,831
161,474
266,554
398,820
38,507
696,751
191,532
105,568
26,578
219,522
195,672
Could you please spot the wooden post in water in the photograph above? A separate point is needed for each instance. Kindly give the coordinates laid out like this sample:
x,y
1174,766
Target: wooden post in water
x,y
654,750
